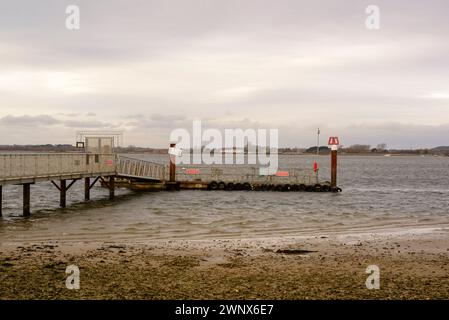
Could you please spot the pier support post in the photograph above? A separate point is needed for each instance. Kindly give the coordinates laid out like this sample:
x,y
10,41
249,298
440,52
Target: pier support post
x,y
172,164
87,189
63,194
1,200
26,199
63,188
171,184
334,166
111,187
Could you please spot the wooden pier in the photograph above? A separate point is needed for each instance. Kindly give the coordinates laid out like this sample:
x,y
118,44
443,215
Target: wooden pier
x,y
62,170
112,170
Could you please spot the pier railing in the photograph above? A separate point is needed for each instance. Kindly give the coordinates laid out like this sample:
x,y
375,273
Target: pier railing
x,y
21,168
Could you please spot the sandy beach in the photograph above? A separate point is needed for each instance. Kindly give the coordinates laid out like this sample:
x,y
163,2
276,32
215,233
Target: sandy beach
x,y
413,265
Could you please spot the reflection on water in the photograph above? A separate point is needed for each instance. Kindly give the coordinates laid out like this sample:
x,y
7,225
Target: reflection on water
x,y
378,192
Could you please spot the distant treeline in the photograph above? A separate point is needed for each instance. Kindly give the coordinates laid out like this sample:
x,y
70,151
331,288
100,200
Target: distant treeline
x,y
381,149
39,148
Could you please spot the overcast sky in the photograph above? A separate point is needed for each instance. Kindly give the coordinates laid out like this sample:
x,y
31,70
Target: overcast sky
x,y
147,67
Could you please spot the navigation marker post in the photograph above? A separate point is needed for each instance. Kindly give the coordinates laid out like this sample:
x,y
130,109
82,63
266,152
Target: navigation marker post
x,y
334,143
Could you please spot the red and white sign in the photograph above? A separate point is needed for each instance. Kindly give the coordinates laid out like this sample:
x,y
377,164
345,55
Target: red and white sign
x,y
192,171
109,162
333,141
282,174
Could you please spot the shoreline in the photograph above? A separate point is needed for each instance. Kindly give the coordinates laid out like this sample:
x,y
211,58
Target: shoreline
x,y
348,231
414,264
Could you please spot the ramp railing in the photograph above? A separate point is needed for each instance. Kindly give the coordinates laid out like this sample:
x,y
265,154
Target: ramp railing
x,y
141,169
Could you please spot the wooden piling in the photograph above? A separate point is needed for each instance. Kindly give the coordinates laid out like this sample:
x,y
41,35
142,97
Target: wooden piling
x,y
1,200
26,199
111,187
63,194
172,164
87,189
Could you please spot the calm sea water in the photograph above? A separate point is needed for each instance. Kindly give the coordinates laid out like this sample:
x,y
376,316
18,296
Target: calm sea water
x,y
378,193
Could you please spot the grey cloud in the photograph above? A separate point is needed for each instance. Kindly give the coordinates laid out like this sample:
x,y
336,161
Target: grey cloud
x,y
47,120
133,116
86,124
167,118
40,120
158,121
71,115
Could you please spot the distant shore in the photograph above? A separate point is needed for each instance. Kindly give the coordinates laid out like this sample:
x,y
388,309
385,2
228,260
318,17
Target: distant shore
x,y
62,148
413,265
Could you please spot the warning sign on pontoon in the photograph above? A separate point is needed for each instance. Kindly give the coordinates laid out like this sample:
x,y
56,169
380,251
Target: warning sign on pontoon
x,y
333,141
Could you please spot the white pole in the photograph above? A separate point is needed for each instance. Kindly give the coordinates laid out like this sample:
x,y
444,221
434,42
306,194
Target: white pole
x,y
317,153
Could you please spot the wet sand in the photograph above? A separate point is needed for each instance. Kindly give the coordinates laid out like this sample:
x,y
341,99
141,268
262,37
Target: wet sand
x,y
413,265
